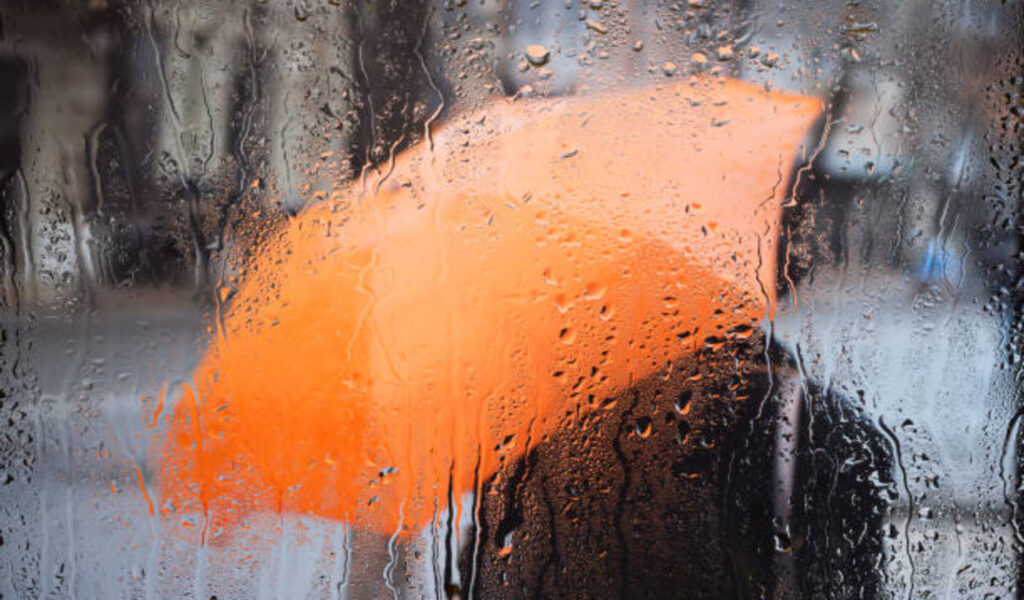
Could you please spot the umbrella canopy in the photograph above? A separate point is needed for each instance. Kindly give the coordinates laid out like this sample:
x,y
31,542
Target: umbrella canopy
x,y
388,349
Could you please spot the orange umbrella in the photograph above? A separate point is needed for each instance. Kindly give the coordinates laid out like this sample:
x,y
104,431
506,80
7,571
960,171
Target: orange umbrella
x,y
389,349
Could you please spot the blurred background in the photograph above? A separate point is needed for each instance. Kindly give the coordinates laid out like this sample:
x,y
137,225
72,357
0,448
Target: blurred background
x,y
146,148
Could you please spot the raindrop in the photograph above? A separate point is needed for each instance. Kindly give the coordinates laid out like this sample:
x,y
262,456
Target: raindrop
x,y
537,55
783,541
683,402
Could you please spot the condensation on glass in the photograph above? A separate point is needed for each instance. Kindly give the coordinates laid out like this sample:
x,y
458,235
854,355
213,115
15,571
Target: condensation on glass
x,y
502,299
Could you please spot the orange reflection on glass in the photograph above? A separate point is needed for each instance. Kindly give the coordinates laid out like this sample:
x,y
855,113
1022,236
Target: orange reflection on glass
x,y
390,348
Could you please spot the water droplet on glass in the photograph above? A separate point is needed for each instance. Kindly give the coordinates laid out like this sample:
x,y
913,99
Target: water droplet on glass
x,y
537,55
783,541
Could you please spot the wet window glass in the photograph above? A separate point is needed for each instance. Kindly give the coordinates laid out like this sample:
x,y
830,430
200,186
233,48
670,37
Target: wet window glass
x,y
502,299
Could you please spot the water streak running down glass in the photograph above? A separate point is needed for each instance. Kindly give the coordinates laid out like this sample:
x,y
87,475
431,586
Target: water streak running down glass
x,y
502,299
